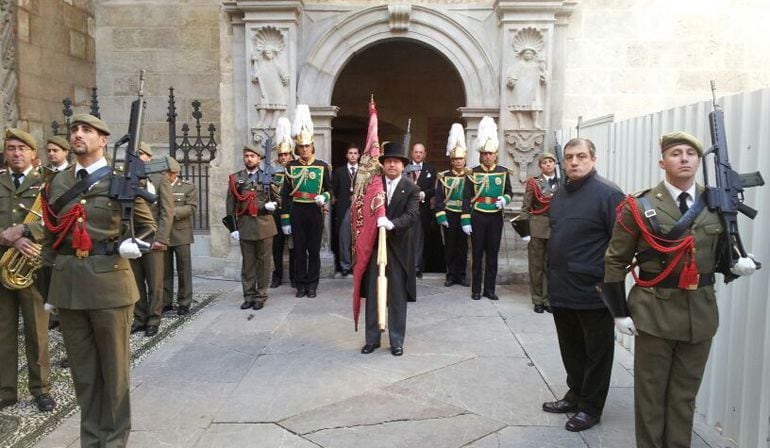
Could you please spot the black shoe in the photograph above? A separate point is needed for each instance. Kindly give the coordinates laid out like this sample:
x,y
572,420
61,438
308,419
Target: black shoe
x,y
44,403
275,283
137,327
182,310
581,421
368,348
258,305
449,283
300,293
151,331
53,323
167,308
419,274
411,300
293,284
5,402
475,296
346,272
491,296
311,293
559,407
465,283
247,304
539,309
548,308
397,351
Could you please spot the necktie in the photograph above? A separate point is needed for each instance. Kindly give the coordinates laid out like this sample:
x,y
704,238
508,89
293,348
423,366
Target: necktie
x,y
82,173
352,171
683,203
17,179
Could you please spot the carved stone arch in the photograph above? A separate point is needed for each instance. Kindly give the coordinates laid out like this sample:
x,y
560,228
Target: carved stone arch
x,y
433,28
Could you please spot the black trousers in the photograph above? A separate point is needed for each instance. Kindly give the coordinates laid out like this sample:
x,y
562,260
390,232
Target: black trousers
x,y
455,248
306,229
487,231
279,241
587,343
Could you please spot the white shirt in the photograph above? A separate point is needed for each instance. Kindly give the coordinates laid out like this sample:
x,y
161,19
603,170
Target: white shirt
x,y
390,186
91,168
61,167
675,192
23,174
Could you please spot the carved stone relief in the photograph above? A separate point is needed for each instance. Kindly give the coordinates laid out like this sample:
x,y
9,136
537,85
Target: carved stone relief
x,y
269,74
526,80
399,17
523,147
9,112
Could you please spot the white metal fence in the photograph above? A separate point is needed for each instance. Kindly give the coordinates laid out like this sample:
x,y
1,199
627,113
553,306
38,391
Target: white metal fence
x,y
734,398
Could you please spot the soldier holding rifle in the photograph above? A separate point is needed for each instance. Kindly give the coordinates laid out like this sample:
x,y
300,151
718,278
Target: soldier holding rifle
x,y
678,243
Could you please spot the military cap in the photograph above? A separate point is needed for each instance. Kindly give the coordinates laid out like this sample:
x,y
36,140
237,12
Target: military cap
x,y
18,134
674,138
145,148
173,165
61,142
252,148
547,155
92,121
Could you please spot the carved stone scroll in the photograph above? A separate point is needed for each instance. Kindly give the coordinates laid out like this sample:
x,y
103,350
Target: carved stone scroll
x,y
523,147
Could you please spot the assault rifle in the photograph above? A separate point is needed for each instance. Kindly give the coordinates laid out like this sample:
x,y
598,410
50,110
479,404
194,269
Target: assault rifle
x,y
266,175
561,173
126,187
726,196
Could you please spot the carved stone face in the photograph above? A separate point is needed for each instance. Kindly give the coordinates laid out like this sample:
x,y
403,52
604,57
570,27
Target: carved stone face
x,y
528,55
268,53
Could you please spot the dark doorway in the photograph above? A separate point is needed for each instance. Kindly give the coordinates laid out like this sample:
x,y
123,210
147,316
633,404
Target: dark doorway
x,y
408,80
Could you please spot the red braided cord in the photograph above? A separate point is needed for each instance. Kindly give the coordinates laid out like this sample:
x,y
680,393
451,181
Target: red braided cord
x,y
248,197
539,197
64,222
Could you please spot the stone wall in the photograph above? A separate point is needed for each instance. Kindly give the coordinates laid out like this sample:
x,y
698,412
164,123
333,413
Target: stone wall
x,y
634,57
56,59
176,42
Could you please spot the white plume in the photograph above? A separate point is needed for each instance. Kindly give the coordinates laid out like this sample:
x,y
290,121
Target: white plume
x,y
456,138
487,131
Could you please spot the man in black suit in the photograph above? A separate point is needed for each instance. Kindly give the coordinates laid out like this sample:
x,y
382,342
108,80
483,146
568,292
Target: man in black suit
x,y
424,175
342,188
401,214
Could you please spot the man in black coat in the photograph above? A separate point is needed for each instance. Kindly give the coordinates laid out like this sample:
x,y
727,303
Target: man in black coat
x,y
424,175
582,216
401,213
342,189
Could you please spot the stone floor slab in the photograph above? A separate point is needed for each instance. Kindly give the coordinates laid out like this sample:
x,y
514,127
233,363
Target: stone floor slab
x,y
480,336
251,435
193,404
531,437
204,362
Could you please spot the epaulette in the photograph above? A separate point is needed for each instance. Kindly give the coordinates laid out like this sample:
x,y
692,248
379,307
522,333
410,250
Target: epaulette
x,y
468,171
640,193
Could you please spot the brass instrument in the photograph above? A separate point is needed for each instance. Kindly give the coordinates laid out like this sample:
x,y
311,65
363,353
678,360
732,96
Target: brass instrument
x,y
17,271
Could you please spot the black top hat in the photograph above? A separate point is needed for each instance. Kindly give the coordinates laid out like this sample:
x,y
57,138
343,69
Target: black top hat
x,y
393,150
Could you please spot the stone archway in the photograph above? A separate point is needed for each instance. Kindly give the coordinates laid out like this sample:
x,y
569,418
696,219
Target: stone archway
x,y
433,28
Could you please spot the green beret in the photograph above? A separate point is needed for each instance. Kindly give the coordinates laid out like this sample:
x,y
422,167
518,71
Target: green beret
x,y
145,148
173,165
547,155
92,121
22,136
680,138
61,142
252,148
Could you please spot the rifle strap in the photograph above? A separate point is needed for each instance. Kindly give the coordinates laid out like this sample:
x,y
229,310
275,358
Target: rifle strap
x,y
80,188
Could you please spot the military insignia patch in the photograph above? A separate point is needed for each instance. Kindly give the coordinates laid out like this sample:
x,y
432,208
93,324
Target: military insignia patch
x,y
498,181
312,175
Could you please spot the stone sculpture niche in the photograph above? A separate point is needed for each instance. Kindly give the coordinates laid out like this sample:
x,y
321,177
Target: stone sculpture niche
x,y
526,80
523,146
270,76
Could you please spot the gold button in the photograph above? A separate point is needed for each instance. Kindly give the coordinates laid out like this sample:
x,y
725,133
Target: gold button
x,y
114,266
83,201
80,219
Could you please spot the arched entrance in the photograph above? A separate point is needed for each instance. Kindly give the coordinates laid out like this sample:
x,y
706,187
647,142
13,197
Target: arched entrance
x,y
409,80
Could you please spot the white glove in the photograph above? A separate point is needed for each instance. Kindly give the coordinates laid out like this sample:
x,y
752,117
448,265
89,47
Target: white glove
x,y
320,200
445,224
50,309
236,235
744,266
270,206
526,239
500,203
385,222
129,249
626,325
422,196
467,229
286,230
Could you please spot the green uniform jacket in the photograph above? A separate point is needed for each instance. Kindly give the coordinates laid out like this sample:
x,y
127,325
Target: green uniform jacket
x,y
96,281
10,198
163,208
539,225
669,313
450,187
251,228
185,205
482,188
302,183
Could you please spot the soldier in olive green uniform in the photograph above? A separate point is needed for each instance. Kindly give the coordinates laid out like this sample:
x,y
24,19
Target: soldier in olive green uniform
x,y
92,285
487,191
250,204
185,205
20,184
450,185
148,270
672,309
536,202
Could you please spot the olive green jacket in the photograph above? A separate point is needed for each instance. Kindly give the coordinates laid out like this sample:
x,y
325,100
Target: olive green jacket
x,y
185,205
251,228
10,198
539,225
669,313
163,208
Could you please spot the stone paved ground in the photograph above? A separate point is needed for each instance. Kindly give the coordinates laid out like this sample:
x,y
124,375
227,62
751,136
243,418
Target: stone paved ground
x,y
473,374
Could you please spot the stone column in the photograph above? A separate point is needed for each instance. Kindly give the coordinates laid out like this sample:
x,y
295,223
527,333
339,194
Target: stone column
x,y
322,123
